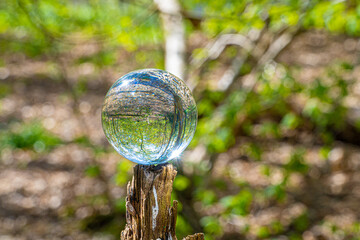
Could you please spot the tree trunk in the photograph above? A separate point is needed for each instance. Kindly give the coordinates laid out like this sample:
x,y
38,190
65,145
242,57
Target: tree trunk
x,y
174,30
149,214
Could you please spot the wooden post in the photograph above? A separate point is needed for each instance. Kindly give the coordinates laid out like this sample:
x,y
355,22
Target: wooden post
x,y
149,214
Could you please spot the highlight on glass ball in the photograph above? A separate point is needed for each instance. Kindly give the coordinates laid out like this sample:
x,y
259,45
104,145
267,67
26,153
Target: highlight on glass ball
x,y
149,116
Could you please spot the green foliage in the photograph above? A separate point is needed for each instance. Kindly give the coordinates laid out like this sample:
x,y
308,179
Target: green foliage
x,y
301,222
183,228
4,90
325,103
296,162
123,172
211,225
263,232
207,197
242,16
120,205
290,121
238,204
28,136
275,87
276,192
254,151
181,183
276,227
92,171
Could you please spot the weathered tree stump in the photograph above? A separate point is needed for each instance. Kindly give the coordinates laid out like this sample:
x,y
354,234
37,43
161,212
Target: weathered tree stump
x,y
149,214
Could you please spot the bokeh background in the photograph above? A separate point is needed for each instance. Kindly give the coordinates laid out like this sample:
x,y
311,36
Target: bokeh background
x,y
276,153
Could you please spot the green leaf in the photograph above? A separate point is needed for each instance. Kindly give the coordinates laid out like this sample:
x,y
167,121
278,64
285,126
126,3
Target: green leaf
x,y
254,151
211,225
276,191
290,121
92,171
296,162
238,204
28,136
207,197
181,183
301,223
263,232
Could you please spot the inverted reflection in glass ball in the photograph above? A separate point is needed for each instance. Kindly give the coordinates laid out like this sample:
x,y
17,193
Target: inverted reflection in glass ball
x,y
149,116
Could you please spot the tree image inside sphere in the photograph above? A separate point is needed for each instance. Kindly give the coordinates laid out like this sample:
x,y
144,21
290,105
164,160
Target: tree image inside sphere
x,y
149,116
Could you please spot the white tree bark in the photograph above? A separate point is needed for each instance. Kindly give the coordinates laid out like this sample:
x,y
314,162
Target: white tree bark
x,y
174,29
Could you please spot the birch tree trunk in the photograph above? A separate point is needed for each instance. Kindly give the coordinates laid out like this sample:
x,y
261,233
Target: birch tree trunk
x,y
149,214
174,29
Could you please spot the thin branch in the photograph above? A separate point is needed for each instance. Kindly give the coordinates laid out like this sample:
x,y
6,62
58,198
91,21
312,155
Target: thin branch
x,y
216,47
277,46
272,52
36,23
234,70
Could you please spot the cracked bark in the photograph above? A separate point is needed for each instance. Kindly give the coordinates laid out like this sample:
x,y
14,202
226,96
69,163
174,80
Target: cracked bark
x,y
149,214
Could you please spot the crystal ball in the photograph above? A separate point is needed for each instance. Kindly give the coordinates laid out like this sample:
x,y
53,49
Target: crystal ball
x,y
149,116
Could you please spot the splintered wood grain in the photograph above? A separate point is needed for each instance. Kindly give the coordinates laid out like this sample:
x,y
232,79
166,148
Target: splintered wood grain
x,y
149,214
196,236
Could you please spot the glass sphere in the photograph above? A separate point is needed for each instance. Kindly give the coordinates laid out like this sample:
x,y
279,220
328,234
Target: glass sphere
x,y
149,116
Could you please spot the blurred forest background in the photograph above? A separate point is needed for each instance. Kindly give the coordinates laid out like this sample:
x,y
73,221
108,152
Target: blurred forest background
x,y
276,153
